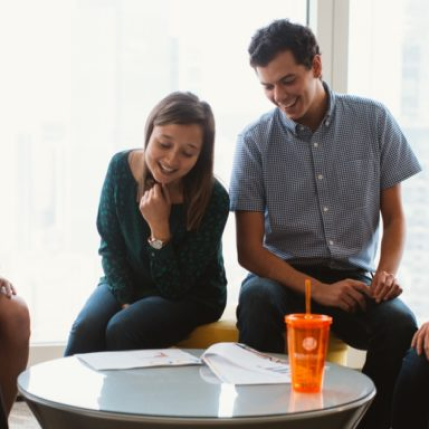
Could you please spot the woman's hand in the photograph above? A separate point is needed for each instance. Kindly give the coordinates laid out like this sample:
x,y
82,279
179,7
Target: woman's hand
x,y
155,207
420,340
7,288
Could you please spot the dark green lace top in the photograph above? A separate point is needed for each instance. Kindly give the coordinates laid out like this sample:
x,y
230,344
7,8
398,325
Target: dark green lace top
x,y
191,264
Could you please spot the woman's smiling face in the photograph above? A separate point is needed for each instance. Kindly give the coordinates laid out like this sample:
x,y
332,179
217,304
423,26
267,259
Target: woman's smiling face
x,y
173,151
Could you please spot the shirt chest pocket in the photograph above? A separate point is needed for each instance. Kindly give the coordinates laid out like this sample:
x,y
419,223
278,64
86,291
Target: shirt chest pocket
x,y
357,183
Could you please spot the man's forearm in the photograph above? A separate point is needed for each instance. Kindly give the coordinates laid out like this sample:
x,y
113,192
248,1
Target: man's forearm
x,y
392,246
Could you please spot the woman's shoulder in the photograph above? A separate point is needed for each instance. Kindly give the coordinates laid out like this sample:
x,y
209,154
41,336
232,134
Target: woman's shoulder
x,y
219,189
135,159
129,161
117,162
220,196
126,156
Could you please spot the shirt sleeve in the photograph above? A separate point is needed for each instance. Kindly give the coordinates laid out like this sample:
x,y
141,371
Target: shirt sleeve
x,y
398,161
112,247
180,266
247,182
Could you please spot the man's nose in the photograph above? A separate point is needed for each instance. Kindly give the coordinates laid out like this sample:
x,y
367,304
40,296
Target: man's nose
x,y
278,94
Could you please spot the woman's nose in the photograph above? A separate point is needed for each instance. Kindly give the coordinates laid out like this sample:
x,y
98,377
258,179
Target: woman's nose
x,y
172,159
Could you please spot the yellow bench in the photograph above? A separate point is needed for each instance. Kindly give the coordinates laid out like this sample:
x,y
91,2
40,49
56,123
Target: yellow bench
x,y
225,330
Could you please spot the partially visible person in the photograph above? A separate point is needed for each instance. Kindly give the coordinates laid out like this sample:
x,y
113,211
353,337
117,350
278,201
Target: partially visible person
x,y
161,219
14,342
311,181
411,395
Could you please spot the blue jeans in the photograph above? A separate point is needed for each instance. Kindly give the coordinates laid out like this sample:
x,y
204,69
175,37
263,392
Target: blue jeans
x,y
151,322
411,395
384,330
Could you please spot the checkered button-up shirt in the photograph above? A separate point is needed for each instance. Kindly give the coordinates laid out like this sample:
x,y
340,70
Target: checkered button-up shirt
x,y
320,192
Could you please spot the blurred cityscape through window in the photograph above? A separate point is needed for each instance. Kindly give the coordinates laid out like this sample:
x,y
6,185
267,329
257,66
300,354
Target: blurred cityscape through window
x,y
77,82
387,61
79,78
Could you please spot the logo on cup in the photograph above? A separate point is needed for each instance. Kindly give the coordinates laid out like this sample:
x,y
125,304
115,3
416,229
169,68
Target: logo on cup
x,y
309,344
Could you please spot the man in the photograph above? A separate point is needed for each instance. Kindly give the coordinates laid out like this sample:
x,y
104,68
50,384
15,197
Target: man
x,y
309,182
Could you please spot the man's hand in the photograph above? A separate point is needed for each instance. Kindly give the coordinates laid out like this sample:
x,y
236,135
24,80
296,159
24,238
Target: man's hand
x,y
349,295
420,340
385,286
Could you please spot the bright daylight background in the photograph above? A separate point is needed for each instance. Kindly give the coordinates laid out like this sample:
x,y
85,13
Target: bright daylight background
x,y
78,78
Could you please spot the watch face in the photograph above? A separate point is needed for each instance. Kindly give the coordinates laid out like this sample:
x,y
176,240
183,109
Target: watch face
x,y
155,243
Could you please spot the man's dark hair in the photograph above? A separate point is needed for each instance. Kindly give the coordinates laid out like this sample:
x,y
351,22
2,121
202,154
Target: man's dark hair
x,y
279,36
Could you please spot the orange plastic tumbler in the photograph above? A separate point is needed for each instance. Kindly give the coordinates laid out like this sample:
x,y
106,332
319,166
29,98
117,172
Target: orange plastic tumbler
x,y
307,341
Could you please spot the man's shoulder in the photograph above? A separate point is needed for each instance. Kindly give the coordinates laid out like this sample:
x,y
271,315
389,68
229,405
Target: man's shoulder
x,y
264,122
358,103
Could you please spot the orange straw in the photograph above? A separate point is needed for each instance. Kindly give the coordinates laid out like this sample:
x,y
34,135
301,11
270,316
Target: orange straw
x,y
307,296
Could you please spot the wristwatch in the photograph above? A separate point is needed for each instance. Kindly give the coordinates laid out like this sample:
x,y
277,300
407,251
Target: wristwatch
x,y
156,243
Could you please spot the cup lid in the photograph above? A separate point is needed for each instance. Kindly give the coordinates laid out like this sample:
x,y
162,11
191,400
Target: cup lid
x,y
308,320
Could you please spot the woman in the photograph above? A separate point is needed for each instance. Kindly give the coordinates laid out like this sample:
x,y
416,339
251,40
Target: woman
x,y
14,345
411,396
161,218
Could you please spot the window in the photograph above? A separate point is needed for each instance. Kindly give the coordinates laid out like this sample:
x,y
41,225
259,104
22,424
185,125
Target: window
x,y
77,81
387,60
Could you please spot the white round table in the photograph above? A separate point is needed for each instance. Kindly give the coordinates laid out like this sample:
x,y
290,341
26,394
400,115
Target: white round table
x,y
65,393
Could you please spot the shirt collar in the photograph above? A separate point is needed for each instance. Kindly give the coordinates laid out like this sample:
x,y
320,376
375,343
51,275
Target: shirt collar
x,y
295,128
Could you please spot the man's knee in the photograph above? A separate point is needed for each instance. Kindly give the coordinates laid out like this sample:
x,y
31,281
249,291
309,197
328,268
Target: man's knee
x,y
403,323
398,325
259,292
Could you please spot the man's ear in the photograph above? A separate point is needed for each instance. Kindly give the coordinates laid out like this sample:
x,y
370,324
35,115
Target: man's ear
x,y
317,66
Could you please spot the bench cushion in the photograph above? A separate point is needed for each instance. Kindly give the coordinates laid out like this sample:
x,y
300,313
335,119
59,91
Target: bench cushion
x,y
225,330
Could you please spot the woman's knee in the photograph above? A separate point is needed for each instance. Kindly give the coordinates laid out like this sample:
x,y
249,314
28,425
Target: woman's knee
x,y
119,333
96,313
15,319
114,329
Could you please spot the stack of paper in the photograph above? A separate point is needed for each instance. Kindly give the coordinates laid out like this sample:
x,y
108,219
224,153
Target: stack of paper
x,y
238,364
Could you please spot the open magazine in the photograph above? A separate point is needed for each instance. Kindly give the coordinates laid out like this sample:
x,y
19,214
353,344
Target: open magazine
x,y
130,359
232,363
237,363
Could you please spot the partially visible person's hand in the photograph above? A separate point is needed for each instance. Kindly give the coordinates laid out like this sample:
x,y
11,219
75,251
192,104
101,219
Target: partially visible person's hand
x,y
7,288
349,295
420,340
385,286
